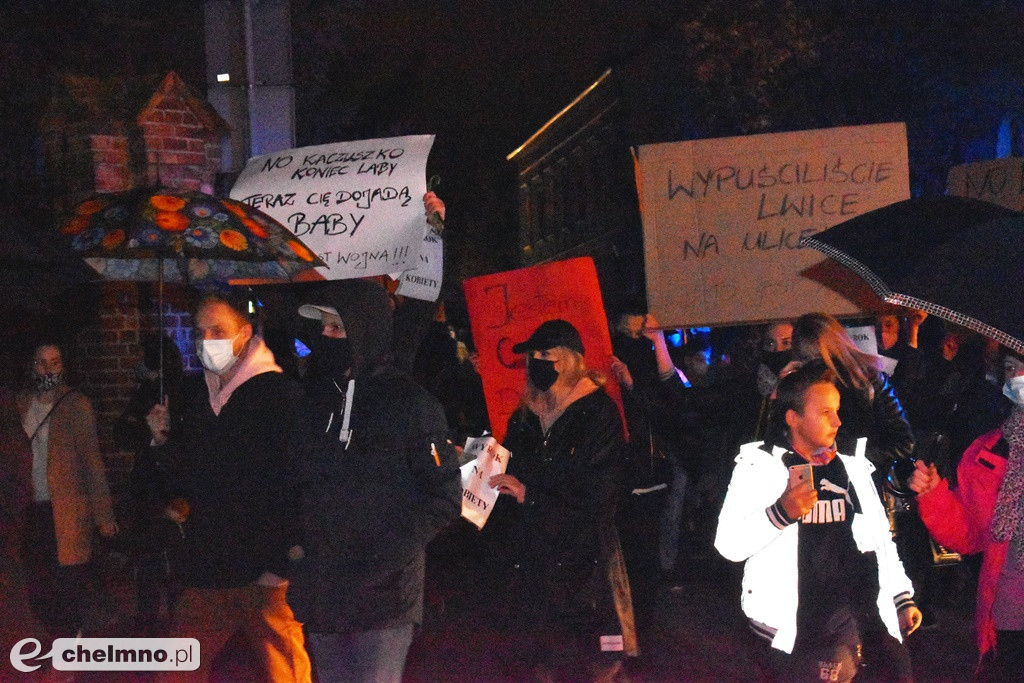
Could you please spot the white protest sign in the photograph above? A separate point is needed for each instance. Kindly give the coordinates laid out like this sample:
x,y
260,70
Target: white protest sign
x,y
356,204
424,281
864,337
478,497
723,220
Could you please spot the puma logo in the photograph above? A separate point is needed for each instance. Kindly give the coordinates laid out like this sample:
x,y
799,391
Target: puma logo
x,y
826,485
829,511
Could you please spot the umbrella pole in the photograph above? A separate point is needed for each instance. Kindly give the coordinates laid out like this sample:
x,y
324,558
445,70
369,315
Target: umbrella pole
x,y
160,322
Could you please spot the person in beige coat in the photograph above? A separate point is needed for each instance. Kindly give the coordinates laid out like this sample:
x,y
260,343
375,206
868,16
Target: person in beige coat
x,y
70,498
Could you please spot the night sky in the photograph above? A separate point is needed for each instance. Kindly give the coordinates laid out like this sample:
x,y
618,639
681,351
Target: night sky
x,y
484,75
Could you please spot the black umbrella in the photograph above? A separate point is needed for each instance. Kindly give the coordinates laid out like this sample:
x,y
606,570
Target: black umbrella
x,y
960,259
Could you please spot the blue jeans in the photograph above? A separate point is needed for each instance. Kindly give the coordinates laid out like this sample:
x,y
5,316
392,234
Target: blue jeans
x,y
368,656
672,518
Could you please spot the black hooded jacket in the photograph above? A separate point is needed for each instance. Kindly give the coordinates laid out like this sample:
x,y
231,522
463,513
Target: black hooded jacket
x,y
370,505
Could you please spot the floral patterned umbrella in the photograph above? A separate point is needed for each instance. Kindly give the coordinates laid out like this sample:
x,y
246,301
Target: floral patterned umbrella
x,y
152,234
158,235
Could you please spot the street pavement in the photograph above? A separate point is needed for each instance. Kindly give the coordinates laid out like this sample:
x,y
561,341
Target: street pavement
x,y
699,634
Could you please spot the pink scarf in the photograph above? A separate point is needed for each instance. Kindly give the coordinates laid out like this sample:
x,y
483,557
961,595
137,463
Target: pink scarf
x,y
256,360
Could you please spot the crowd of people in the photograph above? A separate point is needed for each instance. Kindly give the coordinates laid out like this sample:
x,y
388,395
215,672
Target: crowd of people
x,y
303,502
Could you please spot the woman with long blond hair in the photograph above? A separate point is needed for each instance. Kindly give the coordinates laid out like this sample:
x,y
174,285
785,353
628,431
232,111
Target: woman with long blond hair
x,y
868,403
567,592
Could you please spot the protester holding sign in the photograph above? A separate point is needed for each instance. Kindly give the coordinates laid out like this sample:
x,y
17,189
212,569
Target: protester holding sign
x,y
567,591
661,436
376,479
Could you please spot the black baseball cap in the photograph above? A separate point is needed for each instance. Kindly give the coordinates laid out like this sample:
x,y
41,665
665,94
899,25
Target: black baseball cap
x,y
549,335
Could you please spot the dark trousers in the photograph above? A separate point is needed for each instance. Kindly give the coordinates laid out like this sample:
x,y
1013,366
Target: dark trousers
x,y
913,543
55,591
17,619
840,655
639,521
834,657
376,656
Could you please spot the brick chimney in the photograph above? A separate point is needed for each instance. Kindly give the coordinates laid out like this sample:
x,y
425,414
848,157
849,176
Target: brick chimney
x,y
182,137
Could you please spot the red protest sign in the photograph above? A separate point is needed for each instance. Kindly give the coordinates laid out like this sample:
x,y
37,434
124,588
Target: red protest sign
x,y
505,308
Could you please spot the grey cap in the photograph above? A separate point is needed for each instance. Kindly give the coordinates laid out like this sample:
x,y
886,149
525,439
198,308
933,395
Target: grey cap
x,y
316,312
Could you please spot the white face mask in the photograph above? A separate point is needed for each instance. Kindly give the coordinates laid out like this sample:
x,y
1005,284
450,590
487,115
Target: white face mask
x,y
1014,389
218,355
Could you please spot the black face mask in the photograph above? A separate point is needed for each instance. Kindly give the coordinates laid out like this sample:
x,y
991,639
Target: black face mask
x,y
776,360
541,373
332,358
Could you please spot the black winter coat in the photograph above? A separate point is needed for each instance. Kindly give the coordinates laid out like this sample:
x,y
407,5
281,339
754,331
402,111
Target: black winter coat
x,y
231,469
560,540
368,510
878,416
369,506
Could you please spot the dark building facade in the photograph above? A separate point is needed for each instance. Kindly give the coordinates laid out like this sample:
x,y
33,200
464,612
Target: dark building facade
x,y
577,195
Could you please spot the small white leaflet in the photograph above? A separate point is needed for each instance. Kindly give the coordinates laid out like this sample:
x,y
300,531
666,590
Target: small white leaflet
x,y
478,497
612,644
864,337
424,281
887,364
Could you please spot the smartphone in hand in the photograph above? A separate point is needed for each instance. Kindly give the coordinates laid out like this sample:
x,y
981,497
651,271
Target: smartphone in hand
x,y
800,475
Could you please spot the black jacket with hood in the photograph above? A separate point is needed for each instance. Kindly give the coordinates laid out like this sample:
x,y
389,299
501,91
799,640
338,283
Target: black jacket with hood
x,y
370,505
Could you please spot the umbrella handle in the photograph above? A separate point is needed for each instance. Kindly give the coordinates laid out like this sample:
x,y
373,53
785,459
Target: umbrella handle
x,y
160,321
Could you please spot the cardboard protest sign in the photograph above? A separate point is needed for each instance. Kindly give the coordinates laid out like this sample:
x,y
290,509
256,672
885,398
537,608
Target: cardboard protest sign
x,y
505,308
478,497
356,204
723,220
1000,181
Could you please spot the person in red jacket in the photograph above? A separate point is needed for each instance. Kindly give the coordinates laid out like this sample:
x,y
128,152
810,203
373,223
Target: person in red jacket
x,y
985,513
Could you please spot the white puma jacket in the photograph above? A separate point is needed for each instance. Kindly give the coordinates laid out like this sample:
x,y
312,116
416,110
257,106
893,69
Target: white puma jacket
x,y
748,532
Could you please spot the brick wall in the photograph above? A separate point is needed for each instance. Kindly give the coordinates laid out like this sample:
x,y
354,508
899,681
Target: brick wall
x,y
180,151
111,169
108,352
